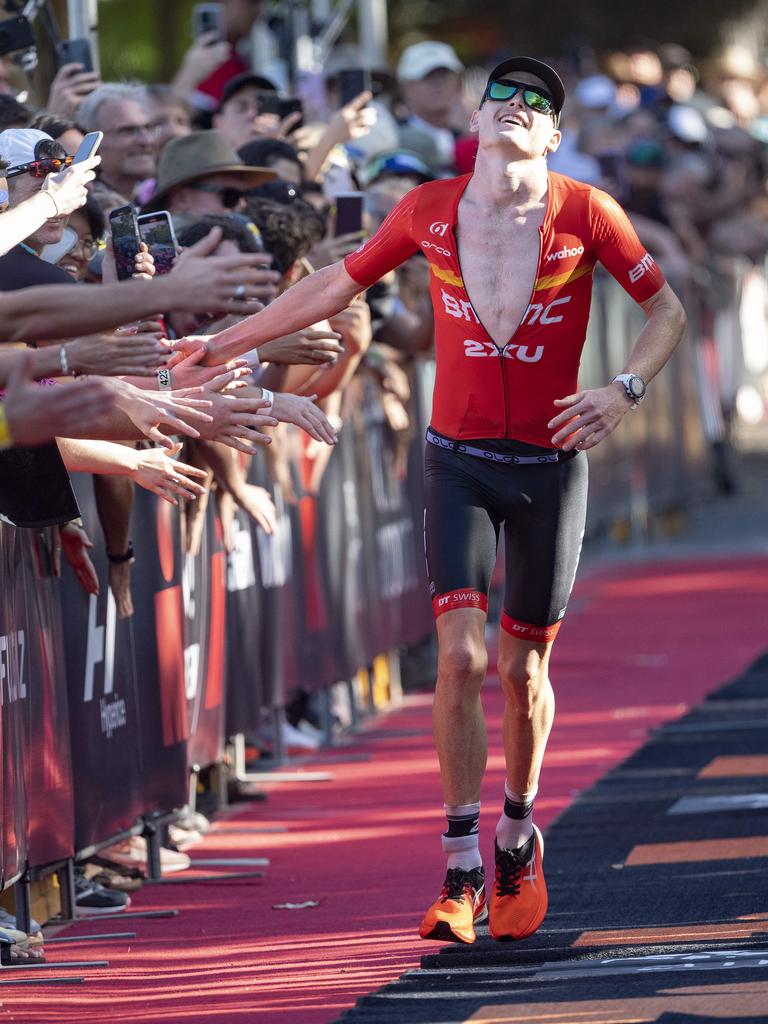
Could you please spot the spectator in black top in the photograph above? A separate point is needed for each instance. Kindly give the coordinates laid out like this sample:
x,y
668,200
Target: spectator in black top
x,y
277,154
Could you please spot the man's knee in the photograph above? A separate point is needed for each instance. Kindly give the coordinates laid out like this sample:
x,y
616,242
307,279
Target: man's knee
x,y
464,661
524,679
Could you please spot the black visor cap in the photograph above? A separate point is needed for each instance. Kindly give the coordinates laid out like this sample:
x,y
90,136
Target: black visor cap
x,y
543,71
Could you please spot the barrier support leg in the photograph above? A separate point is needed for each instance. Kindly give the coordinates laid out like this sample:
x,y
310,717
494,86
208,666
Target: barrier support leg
x,y
152,835
326,717
66,877
22,903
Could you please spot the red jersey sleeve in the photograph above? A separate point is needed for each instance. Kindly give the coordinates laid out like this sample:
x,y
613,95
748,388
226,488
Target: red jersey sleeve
x,y
391,245
620,250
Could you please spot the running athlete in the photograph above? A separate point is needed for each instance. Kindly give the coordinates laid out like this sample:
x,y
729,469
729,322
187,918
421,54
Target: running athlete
x,y
512,250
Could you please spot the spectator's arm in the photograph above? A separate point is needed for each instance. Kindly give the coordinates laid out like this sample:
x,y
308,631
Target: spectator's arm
x,y
114,504
350,122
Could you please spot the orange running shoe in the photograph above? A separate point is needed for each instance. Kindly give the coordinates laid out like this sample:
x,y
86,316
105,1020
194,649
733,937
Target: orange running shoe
x,y
461,905
518,900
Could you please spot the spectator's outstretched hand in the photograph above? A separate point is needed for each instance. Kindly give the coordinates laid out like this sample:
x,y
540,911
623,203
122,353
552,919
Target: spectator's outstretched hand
x,y
330,250
37,414
117,354
222,284
67,187
186,371
75,543
204,56
237,422
310,346
302,411
69,88
176,410
155,470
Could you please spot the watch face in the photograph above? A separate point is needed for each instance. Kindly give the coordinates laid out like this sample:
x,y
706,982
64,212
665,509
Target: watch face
x,y
636,386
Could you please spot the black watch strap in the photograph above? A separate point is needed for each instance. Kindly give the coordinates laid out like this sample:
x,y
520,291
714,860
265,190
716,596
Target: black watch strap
x,y
126,557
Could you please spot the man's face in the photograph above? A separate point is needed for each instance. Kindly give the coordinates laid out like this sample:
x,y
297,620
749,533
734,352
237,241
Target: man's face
x,y
23,187
239,120
432,96
513,125
128,147
170,121
207,195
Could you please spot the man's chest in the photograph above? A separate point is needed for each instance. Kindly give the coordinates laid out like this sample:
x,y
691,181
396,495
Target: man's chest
x,y
499,262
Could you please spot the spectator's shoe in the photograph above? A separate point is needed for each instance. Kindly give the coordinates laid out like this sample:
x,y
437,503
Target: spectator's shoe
x,y
183,838
92,898
518,900
132,853
461,905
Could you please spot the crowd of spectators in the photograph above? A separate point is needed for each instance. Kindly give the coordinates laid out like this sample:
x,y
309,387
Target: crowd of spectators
x,y
114,378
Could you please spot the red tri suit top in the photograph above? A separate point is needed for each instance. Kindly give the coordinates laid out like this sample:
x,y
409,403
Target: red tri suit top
x,y
481,390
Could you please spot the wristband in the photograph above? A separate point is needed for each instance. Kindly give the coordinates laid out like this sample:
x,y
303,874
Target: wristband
x,y
63,362
5,433
164,382
120,559
270,397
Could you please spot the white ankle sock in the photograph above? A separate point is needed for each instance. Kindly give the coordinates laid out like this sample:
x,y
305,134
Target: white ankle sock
x,y
515,826
462,847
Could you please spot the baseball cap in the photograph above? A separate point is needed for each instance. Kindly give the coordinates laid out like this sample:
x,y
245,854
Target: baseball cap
x,y
419,59
242,81
399,162
18,145
547,74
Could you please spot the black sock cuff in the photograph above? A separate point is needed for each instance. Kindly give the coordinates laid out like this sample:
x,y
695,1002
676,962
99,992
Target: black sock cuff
x,y
462,825
517,811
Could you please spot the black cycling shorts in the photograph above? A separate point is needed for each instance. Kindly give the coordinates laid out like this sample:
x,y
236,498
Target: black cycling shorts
x,y
542,508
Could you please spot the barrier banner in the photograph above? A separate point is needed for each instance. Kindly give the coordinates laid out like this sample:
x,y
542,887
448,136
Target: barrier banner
x,y
128,721
15,698
204,578
50,796
280,573
245,697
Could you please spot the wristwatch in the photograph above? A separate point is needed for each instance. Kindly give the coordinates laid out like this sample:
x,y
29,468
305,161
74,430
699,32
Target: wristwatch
x,y
633,385
127,555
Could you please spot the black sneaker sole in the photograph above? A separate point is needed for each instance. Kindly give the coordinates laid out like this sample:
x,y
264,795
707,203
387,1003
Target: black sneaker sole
x,y
442,933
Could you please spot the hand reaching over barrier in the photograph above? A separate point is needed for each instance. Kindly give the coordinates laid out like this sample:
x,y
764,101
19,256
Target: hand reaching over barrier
x,y
149,410
311,346
220,284
236,421
302,411
34,415
111,355
155,470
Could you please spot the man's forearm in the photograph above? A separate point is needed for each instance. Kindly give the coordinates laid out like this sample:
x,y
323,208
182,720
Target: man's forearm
x,y
659,337
114,504
317,297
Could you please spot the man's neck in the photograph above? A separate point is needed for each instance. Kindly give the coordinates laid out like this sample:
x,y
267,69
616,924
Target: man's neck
x,y
516,183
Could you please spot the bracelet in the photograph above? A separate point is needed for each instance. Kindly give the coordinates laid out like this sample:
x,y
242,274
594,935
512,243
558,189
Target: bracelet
x,y
120,559
164,379
63,362
270,397
52,197
5,432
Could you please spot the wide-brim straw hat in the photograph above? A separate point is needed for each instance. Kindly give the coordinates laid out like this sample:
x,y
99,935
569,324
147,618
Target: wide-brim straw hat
x,y
199,155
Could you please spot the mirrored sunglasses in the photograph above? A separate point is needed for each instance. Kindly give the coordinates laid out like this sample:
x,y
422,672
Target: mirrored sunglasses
x,y
40,168
532,97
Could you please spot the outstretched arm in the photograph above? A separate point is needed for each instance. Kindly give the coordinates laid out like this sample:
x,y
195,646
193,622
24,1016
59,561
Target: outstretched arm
x,y
315,298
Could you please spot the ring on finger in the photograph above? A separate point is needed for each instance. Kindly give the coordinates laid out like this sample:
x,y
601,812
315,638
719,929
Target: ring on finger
x,y
239,292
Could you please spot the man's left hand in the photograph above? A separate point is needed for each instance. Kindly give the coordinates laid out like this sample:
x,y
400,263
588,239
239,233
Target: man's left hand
x,y
588,417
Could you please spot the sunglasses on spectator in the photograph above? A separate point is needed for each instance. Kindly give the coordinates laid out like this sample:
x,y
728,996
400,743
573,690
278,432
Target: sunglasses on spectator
x,y
230,197
533,98
40,168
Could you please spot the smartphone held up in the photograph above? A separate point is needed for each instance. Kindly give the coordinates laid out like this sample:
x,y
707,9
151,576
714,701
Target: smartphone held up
x,y
156,230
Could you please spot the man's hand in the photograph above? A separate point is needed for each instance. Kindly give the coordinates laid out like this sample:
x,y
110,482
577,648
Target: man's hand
x,y
236,421
69,88
164,476
36,414
303,412
310,346
117,354
589,417
75,544
67,188
204,56
221,284
187,371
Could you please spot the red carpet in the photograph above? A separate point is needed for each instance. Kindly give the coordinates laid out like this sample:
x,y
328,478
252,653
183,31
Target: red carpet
x,y
640,644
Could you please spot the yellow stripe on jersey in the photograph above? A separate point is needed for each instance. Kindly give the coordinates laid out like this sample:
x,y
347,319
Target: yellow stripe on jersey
x,y
447,275
555,280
